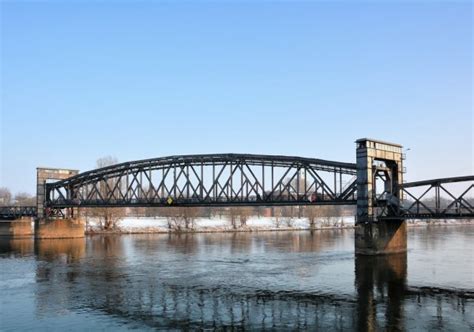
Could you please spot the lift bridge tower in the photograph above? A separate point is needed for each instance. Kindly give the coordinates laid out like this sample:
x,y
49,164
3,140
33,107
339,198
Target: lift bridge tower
x,y
379,174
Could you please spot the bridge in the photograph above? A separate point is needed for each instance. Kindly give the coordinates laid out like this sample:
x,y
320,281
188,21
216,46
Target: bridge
x,y
374,184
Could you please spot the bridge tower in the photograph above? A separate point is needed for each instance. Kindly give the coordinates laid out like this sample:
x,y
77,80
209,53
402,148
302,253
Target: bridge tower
x,y
379,172
45,226
42,176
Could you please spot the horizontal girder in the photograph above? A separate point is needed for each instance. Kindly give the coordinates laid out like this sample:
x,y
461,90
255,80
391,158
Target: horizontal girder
x,y
465,178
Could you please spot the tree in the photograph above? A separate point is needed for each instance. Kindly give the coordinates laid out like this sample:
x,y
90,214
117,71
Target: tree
x,y
5,196
328,214
108,218
312,213
287,214
241,214
180,218
233,214
277,214
24,199
244,214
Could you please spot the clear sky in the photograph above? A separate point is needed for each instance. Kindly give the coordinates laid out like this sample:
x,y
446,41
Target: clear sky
x,y
82,80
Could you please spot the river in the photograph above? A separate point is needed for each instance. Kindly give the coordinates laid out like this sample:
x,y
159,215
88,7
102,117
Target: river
x,y
260,280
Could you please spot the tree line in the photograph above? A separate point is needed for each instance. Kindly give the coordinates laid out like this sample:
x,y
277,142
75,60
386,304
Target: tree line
x,y
19,199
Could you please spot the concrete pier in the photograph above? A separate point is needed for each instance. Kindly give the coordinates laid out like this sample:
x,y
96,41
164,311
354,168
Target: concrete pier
x,y
59,228
16,228
383,237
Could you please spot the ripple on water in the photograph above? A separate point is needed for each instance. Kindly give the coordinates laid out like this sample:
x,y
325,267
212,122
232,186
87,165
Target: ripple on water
x,y
274,280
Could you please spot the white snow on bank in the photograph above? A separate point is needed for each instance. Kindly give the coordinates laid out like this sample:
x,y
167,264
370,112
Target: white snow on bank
x,y
160,224
149,224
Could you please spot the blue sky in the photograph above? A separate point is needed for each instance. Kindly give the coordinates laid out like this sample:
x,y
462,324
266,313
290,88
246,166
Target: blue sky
x,y
135,80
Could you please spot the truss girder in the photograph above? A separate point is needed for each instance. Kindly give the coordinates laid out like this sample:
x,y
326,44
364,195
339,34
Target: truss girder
x,y
209,180
447,198
15,212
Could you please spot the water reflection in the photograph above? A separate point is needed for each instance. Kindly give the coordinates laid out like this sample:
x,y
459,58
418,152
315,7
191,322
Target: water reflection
x,y
235,280
16,246
380,279
66,250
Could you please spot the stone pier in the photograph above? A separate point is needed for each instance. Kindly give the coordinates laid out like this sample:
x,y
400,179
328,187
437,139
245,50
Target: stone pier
x,y
379,172
16,228
382,237
59,228
46,228
42,176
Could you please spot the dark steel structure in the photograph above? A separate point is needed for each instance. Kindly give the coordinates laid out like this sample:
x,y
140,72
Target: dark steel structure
x,y
15,212
433,199
244,180
208,180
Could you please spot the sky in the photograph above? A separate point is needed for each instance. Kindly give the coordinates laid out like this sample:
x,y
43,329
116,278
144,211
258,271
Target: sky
x,y
81,80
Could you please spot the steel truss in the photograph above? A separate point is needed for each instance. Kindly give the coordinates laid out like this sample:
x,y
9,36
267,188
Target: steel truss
x,y
208,180
244,180
15,212
437,201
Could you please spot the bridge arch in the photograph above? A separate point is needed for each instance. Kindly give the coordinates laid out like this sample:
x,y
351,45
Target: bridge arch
x,y
209,180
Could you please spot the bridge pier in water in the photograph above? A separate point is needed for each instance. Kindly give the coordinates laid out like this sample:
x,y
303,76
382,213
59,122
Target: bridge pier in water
x,y
59,228
379,173
67,226
17,227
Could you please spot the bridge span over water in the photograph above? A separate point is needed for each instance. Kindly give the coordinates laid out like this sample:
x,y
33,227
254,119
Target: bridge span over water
x,y
374,184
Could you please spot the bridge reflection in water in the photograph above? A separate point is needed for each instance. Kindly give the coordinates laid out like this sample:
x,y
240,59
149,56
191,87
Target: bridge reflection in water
x,y
378,278
229,280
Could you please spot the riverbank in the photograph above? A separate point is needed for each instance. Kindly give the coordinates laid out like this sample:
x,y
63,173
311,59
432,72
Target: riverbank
x,y
254,224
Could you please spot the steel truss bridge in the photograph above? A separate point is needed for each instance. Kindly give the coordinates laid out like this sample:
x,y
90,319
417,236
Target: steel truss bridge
x,y
16,212
242,180
436,199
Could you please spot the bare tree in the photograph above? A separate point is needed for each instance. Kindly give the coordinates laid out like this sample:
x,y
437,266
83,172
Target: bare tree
x,y
312,213
24,199
241,214
277,214
189,214
181,218
328,214
245,213
287,214
168,212
108,218
233,215
5,196
259,211
218,211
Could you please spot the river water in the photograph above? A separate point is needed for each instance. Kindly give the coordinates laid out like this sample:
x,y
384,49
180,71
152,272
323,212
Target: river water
x,y
265,280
